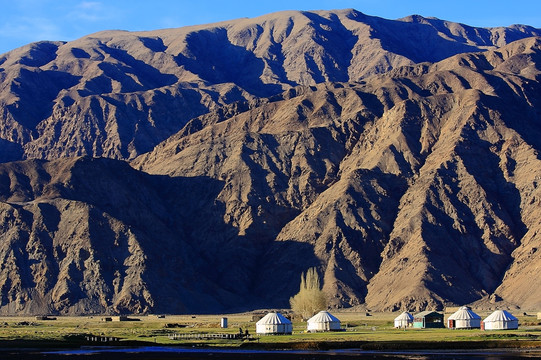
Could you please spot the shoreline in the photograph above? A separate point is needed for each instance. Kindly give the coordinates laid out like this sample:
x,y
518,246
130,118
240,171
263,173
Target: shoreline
x,y
397,345
183,353
311,345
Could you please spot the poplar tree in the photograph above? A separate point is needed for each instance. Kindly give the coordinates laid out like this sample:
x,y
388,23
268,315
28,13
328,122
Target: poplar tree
x,y
310,299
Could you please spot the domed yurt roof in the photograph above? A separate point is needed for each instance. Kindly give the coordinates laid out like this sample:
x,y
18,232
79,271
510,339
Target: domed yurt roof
x,y
500,315
464,313
405,316
273,318
323,317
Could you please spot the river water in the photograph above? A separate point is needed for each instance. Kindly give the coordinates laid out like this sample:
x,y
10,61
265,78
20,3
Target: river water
x,y
159,353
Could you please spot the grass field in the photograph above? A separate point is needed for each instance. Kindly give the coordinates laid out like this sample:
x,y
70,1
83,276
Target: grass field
x,y
361,330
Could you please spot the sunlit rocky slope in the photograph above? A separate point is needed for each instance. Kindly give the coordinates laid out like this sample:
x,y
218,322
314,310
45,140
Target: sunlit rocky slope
x,y
398,157
117,94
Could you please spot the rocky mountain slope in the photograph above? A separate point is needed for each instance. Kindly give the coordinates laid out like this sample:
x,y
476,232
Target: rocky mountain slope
x,y
401,158
117,94
85,235
412,189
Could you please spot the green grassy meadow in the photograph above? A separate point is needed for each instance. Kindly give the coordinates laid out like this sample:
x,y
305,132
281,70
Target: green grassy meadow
x,y
375,331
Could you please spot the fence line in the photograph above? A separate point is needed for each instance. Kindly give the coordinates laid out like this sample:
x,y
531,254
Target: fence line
x,y
208,336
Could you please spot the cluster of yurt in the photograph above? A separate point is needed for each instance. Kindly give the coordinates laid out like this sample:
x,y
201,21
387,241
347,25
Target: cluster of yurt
x,y
464,318
275,323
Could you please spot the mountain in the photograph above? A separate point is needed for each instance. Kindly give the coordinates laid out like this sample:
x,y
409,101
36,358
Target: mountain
x,y
83,235
412,189
400,158
117,94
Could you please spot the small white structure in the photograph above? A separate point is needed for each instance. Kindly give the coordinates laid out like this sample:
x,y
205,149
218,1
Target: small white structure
x,y
273,323
464,318
323,321
500,320
403,320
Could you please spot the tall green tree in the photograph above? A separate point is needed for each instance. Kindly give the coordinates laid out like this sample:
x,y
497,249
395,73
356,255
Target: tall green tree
x,y
310,299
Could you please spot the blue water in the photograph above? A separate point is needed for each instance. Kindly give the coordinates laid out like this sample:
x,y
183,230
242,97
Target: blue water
x,y
159,353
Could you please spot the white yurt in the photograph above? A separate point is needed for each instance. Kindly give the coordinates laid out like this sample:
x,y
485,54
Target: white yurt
x,y
323,321
273,323
403,320
500,320
464,318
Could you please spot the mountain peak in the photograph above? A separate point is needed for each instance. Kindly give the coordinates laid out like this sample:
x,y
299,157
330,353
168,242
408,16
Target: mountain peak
x,y
415,18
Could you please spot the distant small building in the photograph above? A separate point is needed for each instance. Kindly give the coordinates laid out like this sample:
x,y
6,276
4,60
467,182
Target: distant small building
x,y
403,320
274,323
500,320
464,318
119,318
539,316
323,321
428,319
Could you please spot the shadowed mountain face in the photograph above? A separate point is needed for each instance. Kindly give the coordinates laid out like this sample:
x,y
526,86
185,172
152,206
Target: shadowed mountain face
x,y
86,235
398,157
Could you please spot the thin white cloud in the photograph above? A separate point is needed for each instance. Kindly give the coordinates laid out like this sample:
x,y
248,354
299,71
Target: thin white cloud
x,y
30,29
27,21
90,5
91,11
169,22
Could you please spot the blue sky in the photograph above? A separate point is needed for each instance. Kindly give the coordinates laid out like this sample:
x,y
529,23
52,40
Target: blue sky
x,y
25,21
